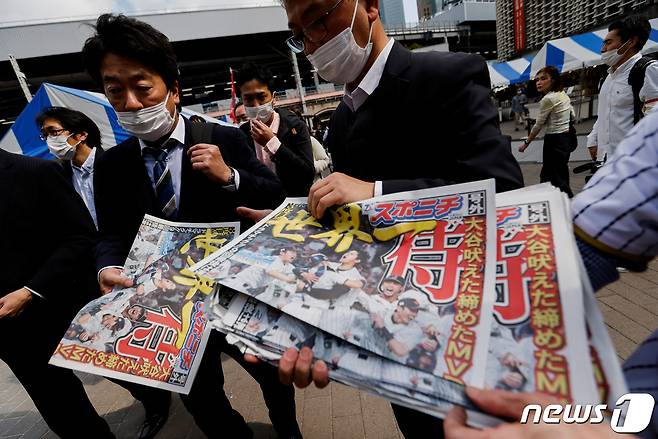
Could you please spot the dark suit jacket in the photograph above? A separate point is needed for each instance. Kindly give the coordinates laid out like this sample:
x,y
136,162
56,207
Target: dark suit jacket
x,y
124,192
46,244
430,122
294,158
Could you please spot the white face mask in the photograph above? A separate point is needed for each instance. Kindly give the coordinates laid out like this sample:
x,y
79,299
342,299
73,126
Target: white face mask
x,y
261,112
341,60
612,56
149,124
60,147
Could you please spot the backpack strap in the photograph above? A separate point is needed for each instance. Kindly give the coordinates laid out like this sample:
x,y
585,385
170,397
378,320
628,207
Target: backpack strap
x,y
202,132
636,81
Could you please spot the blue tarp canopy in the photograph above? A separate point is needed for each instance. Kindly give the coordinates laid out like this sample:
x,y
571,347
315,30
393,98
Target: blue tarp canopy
x,y
23,137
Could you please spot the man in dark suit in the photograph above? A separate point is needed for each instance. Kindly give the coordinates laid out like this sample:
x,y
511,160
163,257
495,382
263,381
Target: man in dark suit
x,y
278,137
175,170
75,140
455,137
46,276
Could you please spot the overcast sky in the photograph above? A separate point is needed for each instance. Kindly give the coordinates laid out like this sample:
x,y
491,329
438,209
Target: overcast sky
x,y
17,12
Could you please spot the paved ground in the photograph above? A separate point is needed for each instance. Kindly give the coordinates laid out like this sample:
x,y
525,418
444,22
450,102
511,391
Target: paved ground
x,y
630,307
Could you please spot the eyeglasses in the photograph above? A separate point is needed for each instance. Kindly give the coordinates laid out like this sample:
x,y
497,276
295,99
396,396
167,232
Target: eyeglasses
x,y
50,132
314,32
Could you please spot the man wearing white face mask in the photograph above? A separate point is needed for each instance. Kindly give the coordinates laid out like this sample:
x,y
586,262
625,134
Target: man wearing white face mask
x,y
175,170
629,91
76,141
455,138
279,138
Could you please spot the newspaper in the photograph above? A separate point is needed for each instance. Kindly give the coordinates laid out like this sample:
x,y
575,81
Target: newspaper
x,y
153,333
538,336
266,331
401,276
544,331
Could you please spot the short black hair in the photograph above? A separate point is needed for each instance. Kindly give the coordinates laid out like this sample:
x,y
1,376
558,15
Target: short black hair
x,y
633,26
237,104
132,39
251,71
74,122
555,75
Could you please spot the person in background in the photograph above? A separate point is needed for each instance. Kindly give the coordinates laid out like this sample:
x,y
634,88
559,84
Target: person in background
x,y
555,115
75,140
240,114
616,222
629,91
46,277
519,108
321,160
279,138
175,170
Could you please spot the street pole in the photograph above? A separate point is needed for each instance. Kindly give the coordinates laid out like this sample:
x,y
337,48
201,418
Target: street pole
x,y
21,77
316,80
298,80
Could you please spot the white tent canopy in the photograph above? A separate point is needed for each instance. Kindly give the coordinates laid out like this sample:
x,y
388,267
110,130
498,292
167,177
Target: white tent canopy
x,y
583,50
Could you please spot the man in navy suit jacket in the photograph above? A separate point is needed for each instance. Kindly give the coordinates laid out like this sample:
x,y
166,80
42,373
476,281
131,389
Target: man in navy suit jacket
x,y
178,171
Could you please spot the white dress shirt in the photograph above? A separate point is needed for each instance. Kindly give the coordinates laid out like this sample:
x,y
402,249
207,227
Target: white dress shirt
x,y
615,109
366,87
83,182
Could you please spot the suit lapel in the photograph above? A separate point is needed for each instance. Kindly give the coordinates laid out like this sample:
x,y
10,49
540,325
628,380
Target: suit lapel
x,y
284,127
393,86
186,170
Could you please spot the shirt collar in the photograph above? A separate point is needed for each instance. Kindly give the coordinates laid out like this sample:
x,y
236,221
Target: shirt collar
x,y
88,165
276,121
178,133
630,62
370,81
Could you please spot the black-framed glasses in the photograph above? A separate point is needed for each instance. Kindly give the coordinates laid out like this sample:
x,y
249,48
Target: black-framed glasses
x,y
314,32
50,132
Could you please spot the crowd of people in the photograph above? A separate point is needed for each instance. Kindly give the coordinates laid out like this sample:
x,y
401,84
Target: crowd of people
x,y
57,253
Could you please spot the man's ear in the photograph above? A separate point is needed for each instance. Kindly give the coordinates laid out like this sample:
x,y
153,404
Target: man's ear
x,y
81,137
372,8
175,92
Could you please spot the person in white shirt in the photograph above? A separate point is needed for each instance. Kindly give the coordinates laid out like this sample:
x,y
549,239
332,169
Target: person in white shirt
x,y
75,140
555,114
621,51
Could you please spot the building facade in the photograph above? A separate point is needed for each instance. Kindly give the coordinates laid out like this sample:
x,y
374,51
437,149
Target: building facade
x,y
525,25
400,13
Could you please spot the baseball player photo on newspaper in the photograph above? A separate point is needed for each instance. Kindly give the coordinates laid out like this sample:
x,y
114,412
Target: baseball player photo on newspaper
x,y
402,276
153,333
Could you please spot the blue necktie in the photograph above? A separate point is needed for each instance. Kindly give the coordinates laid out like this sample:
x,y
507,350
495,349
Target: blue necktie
x,y
164,186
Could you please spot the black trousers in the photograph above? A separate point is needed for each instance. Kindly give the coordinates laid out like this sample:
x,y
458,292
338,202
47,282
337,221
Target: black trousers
x,y
417,425
28,342
208,404
556,162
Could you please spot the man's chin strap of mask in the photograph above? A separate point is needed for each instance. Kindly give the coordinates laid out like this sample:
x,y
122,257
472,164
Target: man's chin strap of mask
x,y
354,19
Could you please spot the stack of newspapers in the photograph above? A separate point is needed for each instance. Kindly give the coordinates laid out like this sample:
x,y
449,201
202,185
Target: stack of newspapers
x,y
413,295
410,296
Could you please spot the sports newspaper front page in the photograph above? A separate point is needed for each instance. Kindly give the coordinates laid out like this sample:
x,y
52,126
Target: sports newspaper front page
x,y
288,282
153,333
